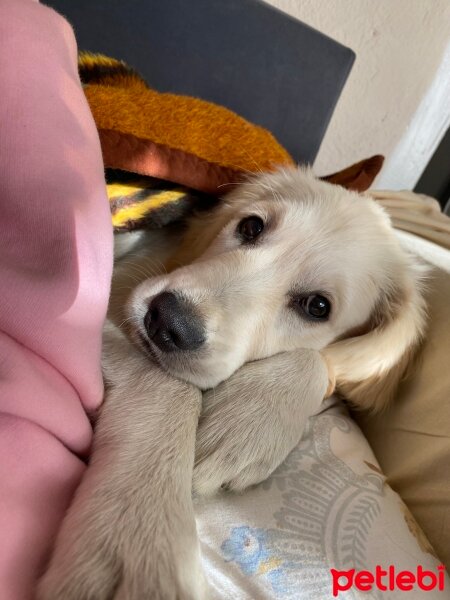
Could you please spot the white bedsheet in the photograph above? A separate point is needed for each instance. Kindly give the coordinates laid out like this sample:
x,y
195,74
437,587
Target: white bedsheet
x,y
328,506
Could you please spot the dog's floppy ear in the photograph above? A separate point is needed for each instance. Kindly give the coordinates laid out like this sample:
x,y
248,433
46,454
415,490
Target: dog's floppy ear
x,y
368,367
360,176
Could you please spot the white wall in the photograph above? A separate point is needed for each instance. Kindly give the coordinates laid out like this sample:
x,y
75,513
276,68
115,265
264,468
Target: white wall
x,y
396,101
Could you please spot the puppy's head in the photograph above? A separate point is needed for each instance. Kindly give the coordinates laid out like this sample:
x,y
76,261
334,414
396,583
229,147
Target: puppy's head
x,y
288,262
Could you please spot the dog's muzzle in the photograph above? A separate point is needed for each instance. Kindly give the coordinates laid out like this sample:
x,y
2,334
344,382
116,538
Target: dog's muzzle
x,y
172,324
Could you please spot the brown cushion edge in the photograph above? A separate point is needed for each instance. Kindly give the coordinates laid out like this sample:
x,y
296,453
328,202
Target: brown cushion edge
x,y
129,153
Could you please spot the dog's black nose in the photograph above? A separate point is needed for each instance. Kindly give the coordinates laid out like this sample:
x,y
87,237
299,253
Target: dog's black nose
x,y
172,323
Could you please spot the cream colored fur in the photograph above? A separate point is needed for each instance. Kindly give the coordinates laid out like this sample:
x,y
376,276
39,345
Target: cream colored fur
x,y
130,532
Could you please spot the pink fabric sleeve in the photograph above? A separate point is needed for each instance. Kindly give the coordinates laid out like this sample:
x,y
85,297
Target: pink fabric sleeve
x,y
55,270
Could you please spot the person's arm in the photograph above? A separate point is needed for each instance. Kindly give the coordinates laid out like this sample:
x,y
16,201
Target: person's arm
x,y
55,269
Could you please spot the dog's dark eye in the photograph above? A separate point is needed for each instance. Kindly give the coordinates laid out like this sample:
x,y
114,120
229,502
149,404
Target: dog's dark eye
x,y
315,306
250,227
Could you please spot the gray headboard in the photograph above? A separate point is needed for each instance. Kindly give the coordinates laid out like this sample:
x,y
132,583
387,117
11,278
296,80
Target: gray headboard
x,y
243,54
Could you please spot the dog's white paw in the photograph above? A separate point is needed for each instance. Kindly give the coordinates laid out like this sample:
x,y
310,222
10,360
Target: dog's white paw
x,y
124,539
221,471
104,564
252,421
234,451
89,573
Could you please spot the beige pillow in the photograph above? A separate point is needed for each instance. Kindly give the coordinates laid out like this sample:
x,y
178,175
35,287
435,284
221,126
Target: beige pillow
x,y
411,440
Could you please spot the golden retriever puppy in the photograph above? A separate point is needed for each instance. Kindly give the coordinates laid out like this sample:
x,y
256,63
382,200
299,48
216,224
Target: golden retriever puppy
x,y
289,280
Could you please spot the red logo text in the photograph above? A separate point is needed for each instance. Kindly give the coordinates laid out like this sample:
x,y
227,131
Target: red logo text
x,y
388,579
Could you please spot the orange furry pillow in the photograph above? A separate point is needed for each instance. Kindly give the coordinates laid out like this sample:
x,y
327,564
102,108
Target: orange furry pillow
x,y
182,139
147,137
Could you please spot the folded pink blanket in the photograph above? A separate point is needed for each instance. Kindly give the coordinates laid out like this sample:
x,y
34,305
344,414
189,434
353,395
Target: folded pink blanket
x,y
55,269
